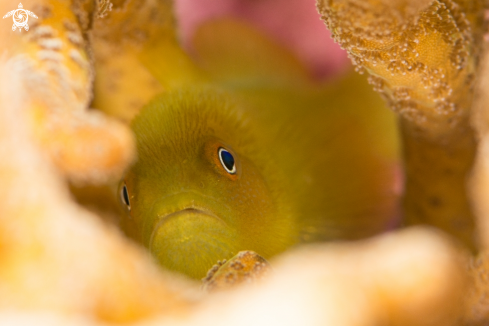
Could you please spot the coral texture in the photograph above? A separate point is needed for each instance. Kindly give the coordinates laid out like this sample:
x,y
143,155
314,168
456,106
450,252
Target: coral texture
x,y
422,56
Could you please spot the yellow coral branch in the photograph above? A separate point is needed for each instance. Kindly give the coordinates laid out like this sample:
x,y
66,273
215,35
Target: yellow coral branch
x,y
57,76
245,267
135,36
422,57
54,255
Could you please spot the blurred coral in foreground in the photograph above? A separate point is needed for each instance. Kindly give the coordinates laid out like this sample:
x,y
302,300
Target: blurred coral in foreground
x,y
61,264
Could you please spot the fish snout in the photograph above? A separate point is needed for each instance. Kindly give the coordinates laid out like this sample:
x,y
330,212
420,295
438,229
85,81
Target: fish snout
x,y
191,238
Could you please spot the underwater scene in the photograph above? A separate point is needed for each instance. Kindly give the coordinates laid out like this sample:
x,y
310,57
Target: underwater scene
x,y
245,162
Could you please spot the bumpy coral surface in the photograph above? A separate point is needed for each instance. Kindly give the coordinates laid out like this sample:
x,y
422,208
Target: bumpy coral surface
x,y
422,56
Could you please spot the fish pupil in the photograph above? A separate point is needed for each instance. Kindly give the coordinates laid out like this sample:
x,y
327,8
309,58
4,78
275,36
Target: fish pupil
x,y
227,160
125,196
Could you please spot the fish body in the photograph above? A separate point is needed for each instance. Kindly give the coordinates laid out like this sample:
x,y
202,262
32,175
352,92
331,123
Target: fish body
x,y
241,164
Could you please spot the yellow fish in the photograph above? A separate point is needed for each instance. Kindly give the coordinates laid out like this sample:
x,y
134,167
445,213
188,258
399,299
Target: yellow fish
x,y
258,163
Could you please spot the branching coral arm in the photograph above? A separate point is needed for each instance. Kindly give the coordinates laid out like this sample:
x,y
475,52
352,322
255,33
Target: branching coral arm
x,y
422,57
127,42
54,63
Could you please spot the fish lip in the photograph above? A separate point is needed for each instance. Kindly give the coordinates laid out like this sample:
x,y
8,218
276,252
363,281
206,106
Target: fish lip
x,y
190,208
188,200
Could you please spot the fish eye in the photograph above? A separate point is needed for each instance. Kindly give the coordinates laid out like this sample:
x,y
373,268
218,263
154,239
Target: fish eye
x,y
124,196
227,161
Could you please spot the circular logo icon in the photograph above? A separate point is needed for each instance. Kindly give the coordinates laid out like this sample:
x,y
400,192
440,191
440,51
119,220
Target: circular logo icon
x,y
20,17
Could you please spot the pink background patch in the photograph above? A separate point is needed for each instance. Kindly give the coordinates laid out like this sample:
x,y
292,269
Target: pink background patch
x,y
294,23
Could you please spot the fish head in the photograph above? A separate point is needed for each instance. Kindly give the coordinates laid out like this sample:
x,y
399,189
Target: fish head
x,y
197,194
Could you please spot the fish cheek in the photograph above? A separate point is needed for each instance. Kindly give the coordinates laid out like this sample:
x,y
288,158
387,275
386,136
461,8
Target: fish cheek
x,y
244,194
252,211
255,210
142,194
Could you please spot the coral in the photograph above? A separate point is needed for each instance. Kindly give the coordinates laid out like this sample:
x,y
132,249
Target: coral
x,y
479,181
56,256
389,280
246,267
54,64
422,57
477,311
477,305
121,43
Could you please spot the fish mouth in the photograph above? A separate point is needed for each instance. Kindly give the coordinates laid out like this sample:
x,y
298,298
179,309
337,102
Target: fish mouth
x,y
189,202
191,210
191,240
